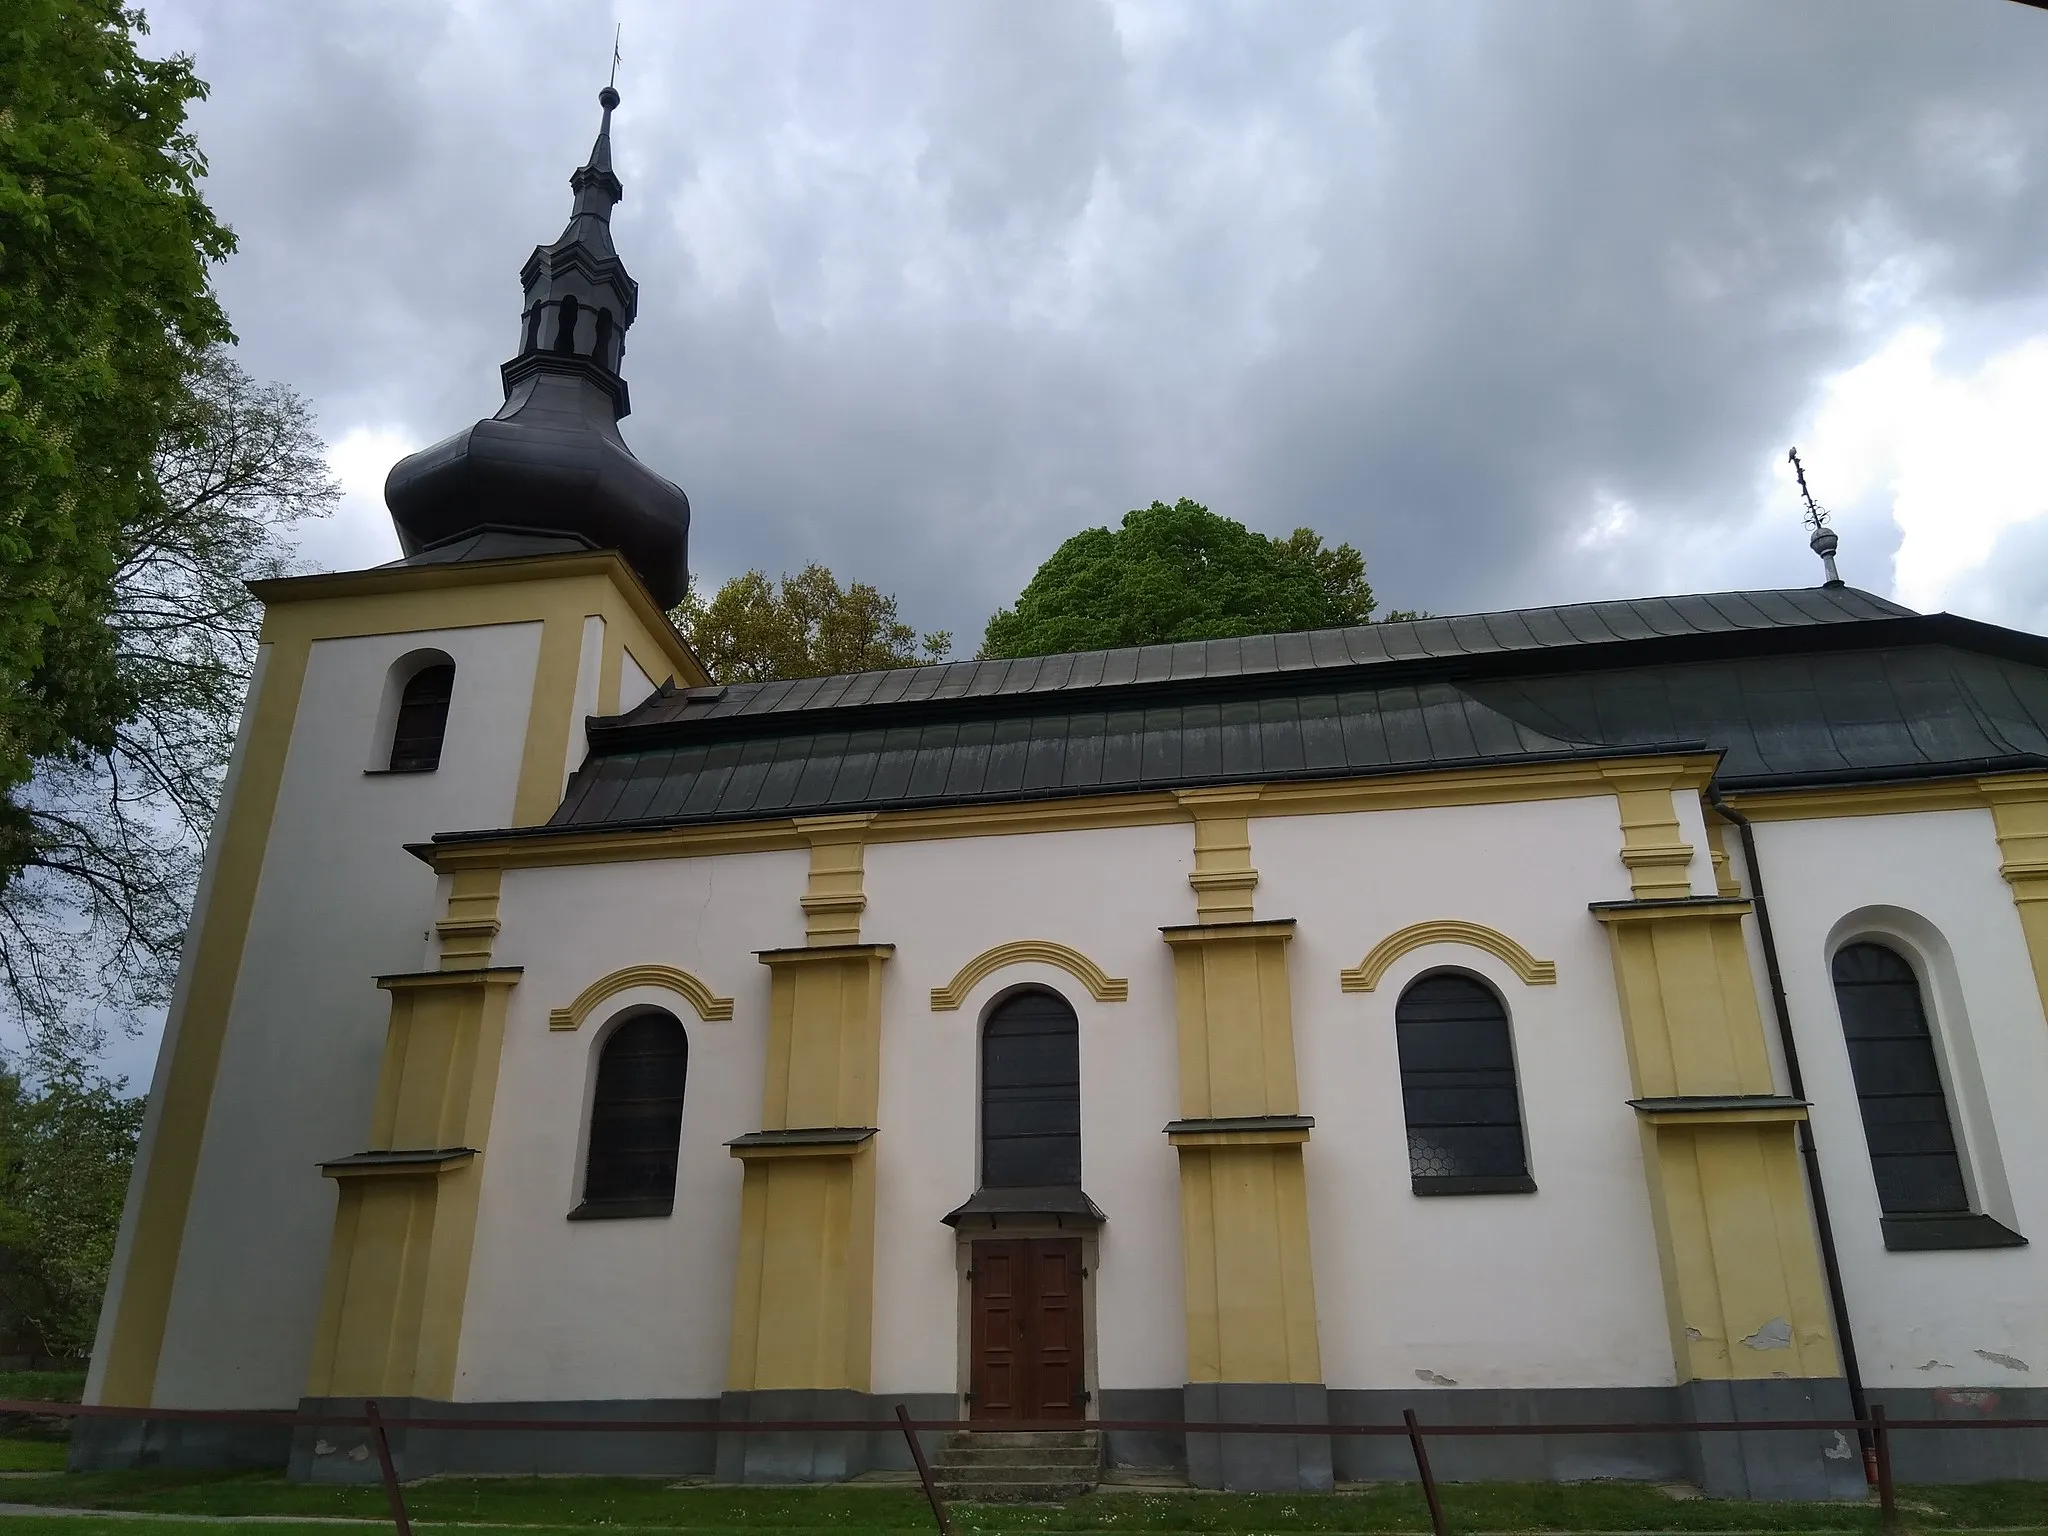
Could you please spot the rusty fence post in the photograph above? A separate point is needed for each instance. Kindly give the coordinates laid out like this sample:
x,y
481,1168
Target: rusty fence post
x,y
385,1465
924,1472
1887,1494
1436,1505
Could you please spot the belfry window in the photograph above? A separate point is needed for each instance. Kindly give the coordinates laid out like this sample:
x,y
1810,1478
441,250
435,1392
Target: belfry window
x,y
1031,1094
565,328
1458,1090
603,350
1906,1121
636,1119
422,721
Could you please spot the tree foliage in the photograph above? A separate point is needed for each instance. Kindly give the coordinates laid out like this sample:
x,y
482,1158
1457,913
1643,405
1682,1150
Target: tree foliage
x,y
1180,573
66,1147
750,630
105,243
110,831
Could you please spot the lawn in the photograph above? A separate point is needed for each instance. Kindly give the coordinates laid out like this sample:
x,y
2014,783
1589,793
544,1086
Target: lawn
x,y
577,1504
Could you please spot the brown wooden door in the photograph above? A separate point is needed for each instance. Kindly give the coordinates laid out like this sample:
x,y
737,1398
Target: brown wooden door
x,y
1026,1330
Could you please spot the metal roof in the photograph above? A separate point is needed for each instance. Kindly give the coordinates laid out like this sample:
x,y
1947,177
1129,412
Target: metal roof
x,y
1790,687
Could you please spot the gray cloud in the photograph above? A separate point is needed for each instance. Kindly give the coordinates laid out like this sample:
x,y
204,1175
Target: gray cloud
x,y
1523,300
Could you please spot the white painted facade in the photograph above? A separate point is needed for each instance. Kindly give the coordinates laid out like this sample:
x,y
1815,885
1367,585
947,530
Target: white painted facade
x,y
1928,886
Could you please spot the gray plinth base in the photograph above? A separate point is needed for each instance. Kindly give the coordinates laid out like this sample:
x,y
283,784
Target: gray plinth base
x,y
1259,1463
335,1454
1511,1458
127,1445
1960,1455
1773,1464
821,1456
1150,1450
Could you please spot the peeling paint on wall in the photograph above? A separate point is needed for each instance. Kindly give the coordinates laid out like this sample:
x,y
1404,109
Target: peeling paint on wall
x,y
1776,1334
1434,1380
2010,1362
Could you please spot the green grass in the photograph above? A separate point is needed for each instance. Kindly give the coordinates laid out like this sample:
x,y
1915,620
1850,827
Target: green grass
x,y
42,1386
26,1455
577,1504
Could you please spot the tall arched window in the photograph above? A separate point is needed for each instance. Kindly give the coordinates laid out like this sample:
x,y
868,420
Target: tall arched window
x,y
1906,1120
1031,1094
602,351
1458,1090
422,721
636,1119
565,328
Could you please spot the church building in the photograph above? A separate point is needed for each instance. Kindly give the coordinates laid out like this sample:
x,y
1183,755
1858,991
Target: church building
x,y
1619,1012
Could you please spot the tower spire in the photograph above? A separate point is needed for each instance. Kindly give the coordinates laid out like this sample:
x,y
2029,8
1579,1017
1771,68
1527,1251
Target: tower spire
x,y
551,466
1824,541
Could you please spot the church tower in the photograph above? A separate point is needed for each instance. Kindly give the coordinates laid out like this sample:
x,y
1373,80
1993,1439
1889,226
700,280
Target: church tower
x,y
445,690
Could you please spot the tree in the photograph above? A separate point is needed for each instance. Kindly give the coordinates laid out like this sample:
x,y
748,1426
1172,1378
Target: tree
x,y
1180,573
109,832
750,632
66,1147
105,243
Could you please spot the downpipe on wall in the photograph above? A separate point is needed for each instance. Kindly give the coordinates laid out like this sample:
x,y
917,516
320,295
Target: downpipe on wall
x,y
1809,1155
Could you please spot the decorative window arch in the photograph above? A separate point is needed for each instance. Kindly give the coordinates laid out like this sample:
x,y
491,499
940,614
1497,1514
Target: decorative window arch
x,y
1031,1093
636,1118
1102,986
1367,974
1459,1093
709,1006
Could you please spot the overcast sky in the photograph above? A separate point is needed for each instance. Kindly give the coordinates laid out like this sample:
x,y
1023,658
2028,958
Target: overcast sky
x,y
1527,301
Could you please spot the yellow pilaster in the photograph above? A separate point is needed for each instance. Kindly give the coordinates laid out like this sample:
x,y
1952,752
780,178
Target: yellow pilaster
x,y
803,1292
1250,1292
405,1222
2019,814
1743,1291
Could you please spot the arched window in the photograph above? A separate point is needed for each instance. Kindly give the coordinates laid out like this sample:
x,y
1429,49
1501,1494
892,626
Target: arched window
x,y
532,342
603,350
422,720
636,1119
565,328
1906,1120
1031,1094
1458,1090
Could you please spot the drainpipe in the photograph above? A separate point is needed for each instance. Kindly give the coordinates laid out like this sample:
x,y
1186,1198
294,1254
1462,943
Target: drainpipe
x,y
1816,1191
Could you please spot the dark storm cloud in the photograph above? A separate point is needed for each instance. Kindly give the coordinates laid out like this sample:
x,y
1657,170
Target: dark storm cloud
x,y
1523,300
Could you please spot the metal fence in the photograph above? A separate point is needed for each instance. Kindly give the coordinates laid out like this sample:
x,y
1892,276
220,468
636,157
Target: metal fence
x,y
1874,1432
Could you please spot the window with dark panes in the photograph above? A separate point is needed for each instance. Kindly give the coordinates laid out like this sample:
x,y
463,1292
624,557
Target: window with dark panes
x,y
422,720
1458,1089
1906,1120
1031,1093
636,1119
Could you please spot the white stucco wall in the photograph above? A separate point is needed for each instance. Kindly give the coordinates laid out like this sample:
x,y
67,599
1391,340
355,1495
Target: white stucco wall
x,y
638,1307
1923,883
1104,893
339,902
1410,1289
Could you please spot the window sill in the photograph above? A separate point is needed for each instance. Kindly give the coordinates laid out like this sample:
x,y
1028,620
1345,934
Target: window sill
x,y
620,1210
1926,1234
1474,1184
385,773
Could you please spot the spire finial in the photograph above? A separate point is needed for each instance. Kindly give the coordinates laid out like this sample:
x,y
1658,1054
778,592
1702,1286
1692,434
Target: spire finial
x,y
1824,541
618,32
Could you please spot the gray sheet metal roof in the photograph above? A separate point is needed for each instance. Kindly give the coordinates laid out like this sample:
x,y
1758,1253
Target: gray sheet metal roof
x,y
1791,687
1253,656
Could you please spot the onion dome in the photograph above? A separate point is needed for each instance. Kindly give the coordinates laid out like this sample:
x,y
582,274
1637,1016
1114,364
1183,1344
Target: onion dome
x,y
550,471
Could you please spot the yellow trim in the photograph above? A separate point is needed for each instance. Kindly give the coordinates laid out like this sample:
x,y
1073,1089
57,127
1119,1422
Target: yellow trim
x,y
1447,930
1771,1115
1293,1136
803,1288
1250,1290
470,929
833,900
700,997
1725,883
2019,818
398,1268
1451,787
1223,878
1862,800
1740,1264
446,1164
198,1027
1103,987
757,1153
1658,860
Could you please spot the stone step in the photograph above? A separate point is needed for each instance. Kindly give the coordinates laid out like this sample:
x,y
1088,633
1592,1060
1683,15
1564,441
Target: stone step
x,y
1016,1472
1014,1493
1048,1439
1018,1456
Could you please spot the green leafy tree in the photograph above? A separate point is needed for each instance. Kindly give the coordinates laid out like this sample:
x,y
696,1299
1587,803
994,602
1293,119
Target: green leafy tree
x,y
110,831
1180,573
105,245
750,630
66,1147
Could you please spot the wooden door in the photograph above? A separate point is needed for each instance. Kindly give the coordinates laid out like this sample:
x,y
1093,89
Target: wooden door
x,y
1026,1330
